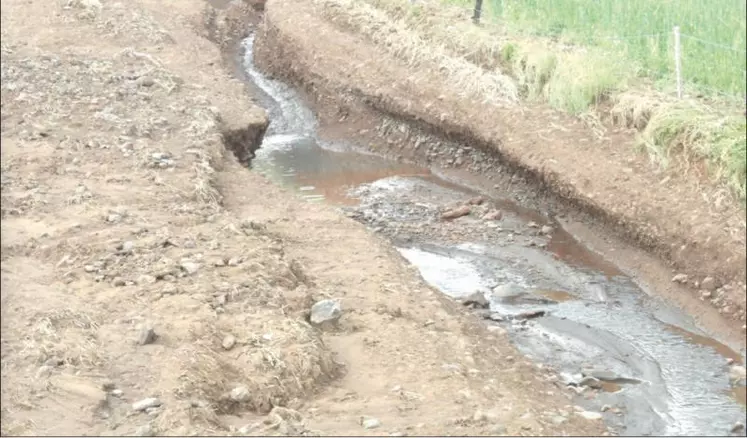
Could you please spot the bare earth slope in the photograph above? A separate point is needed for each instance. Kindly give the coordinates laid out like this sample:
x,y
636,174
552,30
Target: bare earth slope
x,y
139,260
678,217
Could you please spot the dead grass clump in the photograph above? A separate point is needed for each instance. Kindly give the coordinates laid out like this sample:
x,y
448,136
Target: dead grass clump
x,y
64,337
283,360
634,109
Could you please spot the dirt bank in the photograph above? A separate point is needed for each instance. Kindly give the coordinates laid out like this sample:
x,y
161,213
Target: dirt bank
x,y
681,220
151,285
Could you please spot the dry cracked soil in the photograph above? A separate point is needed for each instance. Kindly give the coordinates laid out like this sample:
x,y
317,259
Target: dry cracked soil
x,y
151,285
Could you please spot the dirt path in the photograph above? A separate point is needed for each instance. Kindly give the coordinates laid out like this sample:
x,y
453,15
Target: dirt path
x,y
151,285
680,219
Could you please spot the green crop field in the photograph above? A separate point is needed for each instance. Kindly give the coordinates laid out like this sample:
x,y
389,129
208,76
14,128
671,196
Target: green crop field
x,y
713,34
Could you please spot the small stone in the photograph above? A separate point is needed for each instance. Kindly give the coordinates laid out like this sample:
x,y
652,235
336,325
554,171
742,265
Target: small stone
x,y
190,267
533,225
708,283
146,403
114,218
590,415
706,294
547,229
680,278
145,81
228,342
558,420
370,422
234,261
478,200
325,311
118,282
476,300
117,393
144,430
147,335
89,268
738,427
127,247
240,394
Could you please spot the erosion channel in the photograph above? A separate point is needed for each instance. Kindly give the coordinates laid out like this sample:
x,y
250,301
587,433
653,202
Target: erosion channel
x,y
642,363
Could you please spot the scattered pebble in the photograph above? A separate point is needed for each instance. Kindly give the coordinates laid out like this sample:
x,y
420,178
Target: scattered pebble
x,y
228,342
146,403
147,335
370,422
680,278
547,229
190,267
240,394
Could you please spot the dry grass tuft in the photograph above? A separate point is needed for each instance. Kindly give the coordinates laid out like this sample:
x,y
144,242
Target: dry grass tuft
x,y
64,335
398,38
283,361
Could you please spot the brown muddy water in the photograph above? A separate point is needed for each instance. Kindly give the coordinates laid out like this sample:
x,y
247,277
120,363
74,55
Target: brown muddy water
x,y
610,341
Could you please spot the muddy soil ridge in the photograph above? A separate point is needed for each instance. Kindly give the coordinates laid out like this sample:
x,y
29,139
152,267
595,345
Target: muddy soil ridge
x,y
671,215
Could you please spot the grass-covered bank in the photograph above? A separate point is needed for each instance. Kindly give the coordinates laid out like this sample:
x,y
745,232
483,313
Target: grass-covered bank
x,y
494,64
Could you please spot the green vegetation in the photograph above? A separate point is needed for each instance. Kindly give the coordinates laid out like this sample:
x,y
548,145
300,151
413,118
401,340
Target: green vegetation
x,y
713,33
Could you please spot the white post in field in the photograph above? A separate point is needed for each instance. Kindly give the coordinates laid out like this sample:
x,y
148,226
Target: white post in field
x,y
678,60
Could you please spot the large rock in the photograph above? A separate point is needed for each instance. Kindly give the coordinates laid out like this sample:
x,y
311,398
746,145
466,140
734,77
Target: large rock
x,y
325,311
476,300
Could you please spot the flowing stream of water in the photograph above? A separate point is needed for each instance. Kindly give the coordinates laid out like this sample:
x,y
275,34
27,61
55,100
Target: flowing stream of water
x,y
668,377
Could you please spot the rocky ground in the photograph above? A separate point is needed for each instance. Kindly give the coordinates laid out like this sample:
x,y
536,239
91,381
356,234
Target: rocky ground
x,y
153,286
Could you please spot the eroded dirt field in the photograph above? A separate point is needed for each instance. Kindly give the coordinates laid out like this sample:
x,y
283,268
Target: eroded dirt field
x,y
152,286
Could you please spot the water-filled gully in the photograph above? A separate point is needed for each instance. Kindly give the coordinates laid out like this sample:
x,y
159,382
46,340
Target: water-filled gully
x,y
645,356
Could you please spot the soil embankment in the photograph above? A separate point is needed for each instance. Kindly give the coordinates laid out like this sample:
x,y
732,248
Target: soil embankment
x,y
153,286
677,218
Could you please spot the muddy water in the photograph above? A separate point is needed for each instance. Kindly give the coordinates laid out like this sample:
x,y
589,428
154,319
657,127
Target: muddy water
x,y
647,358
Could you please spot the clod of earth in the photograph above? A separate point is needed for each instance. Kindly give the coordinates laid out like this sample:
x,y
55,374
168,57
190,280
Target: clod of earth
x,y
456,213
709,284
325,311
493,215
